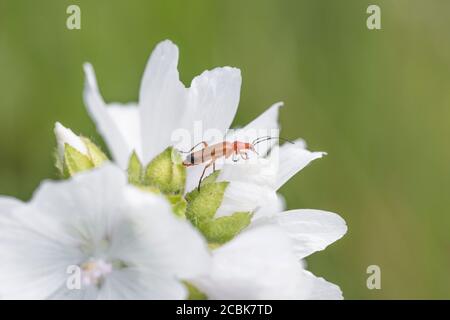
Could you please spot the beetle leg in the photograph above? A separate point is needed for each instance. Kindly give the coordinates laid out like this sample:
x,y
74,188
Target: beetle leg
x,y
203,173
235,157
244,155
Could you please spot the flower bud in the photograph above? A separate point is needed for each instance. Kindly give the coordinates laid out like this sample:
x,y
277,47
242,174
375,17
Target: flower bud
x,y
75,153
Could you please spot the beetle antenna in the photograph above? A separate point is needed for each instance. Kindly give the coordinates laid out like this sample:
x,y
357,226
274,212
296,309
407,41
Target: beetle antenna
x,y
266,138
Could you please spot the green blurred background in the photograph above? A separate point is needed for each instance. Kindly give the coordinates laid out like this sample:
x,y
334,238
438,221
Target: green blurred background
x,y
376,101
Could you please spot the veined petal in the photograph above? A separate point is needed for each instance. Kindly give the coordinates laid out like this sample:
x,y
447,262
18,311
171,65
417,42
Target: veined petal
x,y
322,289
213,101
311,230
257,264
292,159
162,100
106,123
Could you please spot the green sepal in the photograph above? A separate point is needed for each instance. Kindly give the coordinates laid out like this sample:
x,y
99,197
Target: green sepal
x,y
211,178
95,154
223,229
166,172
202,206
75,161
135,170
193,292
179,205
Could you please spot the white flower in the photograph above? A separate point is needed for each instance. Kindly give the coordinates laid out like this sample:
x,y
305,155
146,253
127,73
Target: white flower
x,y
260,264
127,243
165,105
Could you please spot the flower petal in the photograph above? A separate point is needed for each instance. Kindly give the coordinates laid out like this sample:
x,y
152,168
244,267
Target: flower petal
x,y
171,245
245,197
106,123
213,101
322,289
7,204
126,118
311,230
292,159
267,120
257,264
162,100
264,125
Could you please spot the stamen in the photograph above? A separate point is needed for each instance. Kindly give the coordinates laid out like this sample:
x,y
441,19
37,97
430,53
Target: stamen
x,y
94,271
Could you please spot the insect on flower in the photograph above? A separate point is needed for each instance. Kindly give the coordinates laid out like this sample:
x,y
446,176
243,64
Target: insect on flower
x,y
210,153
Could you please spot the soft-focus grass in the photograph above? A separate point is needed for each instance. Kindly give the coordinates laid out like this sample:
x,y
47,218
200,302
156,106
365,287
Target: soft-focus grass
x,y
377,101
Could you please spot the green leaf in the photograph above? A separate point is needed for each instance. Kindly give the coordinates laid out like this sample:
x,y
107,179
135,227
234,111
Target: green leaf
x,y
95,154
211,178
202,206
223,229
193,292
166,172
135,170
178,205
75,161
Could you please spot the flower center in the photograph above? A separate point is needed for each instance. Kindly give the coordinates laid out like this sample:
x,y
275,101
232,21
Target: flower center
x,y
94,271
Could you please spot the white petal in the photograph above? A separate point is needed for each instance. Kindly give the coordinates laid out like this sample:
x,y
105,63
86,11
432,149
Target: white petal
x,y
245,197
265,125
213,100
276,206
267,120
65,135
176,244
257,264
322,289
311,230
126,118
259,171
106,123
7,204
292,159
162,100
